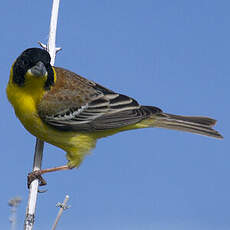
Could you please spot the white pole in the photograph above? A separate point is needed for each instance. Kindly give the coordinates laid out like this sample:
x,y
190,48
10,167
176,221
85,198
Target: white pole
x,y
51,48
63,206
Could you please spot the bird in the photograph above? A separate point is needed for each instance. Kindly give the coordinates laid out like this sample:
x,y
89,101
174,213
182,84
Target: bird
x,y
65,109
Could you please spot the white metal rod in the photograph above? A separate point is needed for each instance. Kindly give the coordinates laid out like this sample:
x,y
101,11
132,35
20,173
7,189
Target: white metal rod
x,y
62,206
51,48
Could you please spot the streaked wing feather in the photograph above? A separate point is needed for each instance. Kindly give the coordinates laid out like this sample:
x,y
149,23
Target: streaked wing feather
x,y
87,106
99,114
124,118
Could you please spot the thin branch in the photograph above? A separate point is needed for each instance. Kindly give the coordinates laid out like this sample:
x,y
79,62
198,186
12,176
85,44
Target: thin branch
x,y
31,205
63,206
51,48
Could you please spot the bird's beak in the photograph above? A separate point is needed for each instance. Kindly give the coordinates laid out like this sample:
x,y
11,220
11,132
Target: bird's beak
x,y
38,70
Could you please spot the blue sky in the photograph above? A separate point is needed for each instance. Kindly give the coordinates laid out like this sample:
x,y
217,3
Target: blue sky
x,y
171,54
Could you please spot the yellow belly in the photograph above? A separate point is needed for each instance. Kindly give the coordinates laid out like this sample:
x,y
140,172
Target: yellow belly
x,y
75,144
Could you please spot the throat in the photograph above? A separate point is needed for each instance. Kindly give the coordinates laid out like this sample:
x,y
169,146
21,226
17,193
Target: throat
x,y
26,98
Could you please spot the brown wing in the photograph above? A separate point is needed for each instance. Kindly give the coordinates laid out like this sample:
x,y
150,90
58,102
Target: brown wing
x,y
75,103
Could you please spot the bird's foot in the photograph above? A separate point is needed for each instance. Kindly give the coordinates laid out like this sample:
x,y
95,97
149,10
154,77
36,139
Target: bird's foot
x,y
35,175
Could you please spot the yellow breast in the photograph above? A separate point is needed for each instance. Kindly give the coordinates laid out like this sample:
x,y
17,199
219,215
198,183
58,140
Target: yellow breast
x,y
25,100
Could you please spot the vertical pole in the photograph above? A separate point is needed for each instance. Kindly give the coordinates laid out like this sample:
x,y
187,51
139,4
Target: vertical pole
x,y
51,48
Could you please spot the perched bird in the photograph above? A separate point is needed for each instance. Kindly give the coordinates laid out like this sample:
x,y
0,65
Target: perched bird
x,y
71,112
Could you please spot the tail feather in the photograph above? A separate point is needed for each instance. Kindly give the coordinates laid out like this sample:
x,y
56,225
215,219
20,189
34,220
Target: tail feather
x,y
193,124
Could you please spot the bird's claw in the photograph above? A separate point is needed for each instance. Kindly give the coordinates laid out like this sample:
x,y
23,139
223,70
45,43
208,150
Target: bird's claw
x,y
36,175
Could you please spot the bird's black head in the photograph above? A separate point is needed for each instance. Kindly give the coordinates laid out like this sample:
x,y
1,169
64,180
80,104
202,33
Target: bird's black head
x,y
37,62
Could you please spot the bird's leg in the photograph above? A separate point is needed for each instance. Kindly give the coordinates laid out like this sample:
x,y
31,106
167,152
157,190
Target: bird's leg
x,y
63,167
38,174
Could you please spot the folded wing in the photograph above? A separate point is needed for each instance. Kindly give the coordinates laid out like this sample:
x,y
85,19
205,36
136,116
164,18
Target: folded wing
x,y
76,104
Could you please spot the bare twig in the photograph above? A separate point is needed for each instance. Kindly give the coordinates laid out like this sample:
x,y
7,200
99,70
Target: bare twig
x,y
51,48
13,203
30,211
63,206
